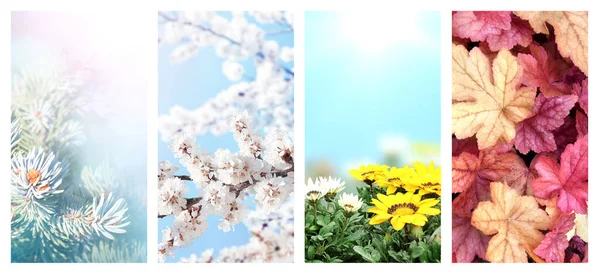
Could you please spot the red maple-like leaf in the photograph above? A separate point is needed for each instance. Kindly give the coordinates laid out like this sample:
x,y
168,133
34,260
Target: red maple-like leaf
x,y
471,175
565,135
465,202
581,123
541,70
568,181
500,29
490,165
478,25
520,176
519,33
467,241
581,90
464,145
534,133
552,248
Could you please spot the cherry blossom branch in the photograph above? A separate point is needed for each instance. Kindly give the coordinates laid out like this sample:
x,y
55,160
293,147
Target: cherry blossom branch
x,y
211,31
189,202
236,189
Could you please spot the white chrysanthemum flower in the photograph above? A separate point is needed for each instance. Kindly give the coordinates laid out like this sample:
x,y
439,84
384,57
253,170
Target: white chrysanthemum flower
x,y
314,190
350,202
36,175
170,196
234,71
287,54
331,186
38,116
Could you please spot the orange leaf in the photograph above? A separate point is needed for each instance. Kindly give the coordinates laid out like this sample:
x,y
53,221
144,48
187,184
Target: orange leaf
x,y
570,29
487,98
514,220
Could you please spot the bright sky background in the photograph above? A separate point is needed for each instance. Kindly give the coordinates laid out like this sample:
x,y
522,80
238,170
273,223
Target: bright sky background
x,y
370,75
189,85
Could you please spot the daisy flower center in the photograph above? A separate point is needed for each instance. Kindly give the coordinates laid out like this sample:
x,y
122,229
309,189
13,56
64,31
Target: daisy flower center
x,y
368,173
391,180
430,184
313,194
349,206
33,176
402,209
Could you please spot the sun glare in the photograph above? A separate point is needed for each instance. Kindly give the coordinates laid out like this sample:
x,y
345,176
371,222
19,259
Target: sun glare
x,y
379,31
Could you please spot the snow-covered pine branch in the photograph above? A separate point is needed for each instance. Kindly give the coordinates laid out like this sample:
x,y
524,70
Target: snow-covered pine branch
x,y
55,217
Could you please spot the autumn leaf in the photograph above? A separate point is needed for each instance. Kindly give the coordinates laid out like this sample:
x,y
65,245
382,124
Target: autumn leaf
x,y
567,181
520,176
465,145
467,241
488,166
500,29
488,101
565,135
514,220
534,133
552,248
465,202
581,124
581,90
570,29
542,71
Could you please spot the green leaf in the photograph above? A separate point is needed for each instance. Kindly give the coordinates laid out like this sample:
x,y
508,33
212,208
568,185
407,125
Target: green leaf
x,y
327,228
400,256
364,254
356,235
415,250
310,253
323,220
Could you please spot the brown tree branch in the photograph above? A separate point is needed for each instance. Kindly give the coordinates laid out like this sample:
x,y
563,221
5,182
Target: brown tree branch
x,y
189,202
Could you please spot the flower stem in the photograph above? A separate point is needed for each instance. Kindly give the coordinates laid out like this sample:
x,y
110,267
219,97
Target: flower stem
x,y
315,211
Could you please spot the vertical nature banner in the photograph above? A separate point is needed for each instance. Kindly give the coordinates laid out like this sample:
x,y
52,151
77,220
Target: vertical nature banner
x,y
226,106
78,149
520,136
372,137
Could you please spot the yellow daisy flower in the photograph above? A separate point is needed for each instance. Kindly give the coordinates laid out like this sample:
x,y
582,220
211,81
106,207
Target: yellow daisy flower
x,y
395,178
369,174
402,209
425,178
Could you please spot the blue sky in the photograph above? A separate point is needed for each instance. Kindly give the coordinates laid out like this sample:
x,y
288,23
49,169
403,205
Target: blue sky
x,y
369,75
189,85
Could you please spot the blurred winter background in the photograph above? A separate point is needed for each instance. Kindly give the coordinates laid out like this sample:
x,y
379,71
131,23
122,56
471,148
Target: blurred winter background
x,y
189,85
372,90
113,101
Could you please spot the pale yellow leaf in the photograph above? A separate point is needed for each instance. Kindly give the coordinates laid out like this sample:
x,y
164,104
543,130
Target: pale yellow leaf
x,y
487,98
